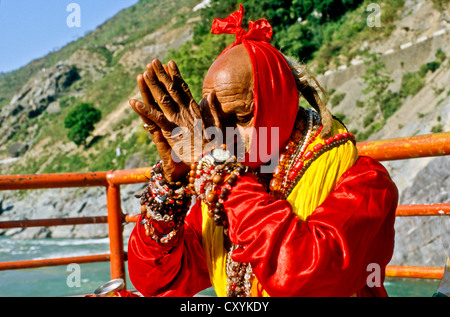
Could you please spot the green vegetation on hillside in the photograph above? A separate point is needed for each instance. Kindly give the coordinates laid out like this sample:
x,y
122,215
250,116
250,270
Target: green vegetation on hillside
x,y
80,121
381,102
312,31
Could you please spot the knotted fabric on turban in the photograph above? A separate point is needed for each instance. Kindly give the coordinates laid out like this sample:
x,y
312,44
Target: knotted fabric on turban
x,y
275,91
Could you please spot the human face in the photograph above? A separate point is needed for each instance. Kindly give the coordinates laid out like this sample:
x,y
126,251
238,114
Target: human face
x,y
230,81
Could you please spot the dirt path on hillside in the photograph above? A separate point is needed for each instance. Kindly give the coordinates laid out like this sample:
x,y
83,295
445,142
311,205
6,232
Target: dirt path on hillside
x,y
122,110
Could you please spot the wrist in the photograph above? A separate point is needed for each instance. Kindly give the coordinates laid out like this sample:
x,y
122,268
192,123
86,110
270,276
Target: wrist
x,y
212,179
163,206
174,173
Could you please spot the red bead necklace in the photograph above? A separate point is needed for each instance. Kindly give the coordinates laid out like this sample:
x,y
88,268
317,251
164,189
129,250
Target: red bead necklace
x,y
296,159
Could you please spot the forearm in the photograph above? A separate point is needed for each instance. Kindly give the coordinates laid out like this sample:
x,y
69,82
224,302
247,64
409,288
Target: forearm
x,y
165,241
161,270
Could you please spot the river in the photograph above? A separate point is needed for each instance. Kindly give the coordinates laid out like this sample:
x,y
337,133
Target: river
x,y
60,281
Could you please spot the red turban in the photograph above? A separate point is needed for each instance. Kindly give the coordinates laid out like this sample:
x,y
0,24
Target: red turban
x,y
275,91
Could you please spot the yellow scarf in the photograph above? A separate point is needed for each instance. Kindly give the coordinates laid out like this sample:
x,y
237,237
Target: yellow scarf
x,y
312,189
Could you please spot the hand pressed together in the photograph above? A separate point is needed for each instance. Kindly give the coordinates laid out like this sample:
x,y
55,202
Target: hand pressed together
x,y
173,118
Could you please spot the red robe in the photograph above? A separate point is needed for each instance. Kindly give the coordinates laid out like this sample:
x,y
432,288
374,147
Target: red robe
x,y
328,254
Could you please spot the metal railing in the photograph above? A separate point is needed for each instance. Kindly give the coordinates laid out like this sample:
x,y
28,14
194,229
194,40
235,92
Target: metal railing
x,y
115,218
384,150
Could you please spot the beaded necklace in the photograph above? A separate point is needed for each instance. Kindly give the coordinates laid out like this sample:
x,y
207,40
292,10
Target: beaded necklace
x,y
299,141
212,179
239,276
296,158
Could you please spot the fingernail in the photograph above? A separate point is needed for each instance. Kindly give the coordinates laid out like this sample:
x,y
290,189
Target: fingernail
x,y
139,105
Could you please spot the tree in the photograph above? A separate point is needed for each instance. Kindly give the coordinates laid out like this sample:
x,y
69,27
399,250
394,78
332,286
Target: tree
x,y
377,81
80,121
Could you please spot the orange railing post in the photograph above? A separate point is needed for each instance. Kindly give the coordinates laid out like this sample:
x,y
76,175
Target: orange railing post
x,y
115,231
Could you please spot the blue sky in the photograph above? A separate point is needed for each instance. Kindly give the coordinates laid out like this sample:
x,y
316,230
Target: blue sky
x,y
30,29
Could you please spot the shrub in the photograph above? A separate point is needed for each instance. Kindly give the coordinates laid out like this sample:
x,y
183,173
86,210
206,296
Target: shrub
x,y
337,98
427,67
80,121
368,119
377,80
437,128
411,84
359,103
391,104
66,101
440,55
340,116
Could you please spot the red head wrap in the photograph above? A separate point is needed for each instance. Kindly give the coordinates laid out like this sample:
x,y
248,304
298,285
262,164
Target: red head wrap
x,y
275,91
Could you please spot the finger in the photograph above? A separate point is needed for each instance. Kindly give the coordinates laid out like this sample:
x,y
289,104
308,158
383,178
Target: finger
x,y
209,111
145,92
151,115
166,69
175,74
214,109
161,143
144,118
165,78
161,97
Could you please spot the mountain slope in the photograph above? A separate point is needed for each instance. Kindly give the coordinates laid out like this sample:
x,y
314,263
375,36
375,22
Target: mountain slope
x,y
101,68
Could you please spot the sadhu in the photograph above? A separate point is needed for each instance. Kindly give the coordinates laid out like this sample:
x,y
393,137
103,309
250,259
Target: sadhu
x,y
320,222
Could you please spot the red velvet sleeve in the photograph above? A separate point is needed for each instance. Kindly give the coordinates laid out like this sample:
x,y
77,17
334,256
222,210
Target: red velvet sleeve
x,y
329,253
177,269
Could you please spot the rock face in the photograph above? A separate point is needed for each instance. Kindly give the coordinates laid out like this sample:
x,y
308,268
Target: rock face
x,y
34,98
17,149
422,240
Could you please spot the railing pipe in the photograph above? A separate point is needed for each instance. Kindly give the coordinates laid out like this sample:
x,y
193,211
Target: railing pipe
x,y
415,271
406,148
402,211
52,222
115,231
132,176
423,210
15,182
28,264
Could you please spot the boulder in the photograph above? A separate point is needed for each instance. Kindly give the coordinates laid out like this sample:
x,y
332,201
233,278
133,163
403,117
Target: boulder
x,y
17,149
53,107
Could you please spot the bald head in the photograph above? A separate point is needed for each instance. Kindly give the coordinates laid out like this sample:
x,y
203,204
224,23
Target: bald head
x,y
230,79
